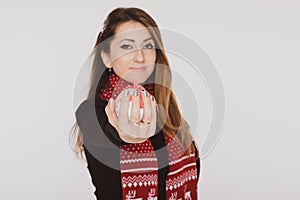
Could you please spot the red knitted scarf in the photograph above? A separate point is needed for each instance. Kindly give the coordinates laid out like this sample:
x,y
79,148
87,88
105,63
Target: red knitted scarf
x,y
139,166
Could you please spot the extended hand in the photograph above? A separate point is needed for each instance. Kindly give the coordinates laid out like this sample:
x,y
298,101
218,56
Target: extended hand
x,y
132,130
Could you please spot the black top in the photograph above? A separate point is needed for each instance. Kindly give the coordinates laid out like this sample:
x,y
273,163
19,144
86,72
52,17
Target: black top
x,y
102,150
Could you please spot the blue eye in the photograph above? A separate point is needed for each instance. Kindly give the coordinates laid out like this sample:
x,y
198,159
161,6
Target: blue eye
x,y
149,46
126,46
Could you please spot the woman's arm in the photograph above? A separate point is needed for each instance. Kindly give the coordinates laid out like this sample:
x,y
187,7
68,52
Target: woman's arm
x,y
107,181
94,124
198,163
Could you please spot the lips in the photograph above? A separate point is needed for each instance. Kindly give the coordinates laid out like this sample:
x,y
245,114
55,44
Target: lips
x,y
138,68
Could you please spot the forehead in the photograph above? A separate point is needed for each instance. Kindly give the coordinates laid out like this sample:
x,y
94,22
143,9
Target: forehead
x,y
132,30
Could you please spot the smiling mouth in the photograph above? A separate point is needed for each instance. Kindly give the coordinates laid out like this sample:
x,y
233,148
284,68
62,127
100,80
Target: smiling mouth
x,y
138,68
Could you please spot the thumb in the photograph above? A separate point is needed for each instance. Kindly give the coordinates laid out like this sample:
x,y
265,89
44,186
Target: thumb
x,y
111,114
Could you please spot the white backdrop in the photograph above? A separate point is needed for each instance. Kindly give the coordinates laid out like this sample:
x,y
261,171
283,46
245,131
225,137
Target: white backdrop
x,y
254,44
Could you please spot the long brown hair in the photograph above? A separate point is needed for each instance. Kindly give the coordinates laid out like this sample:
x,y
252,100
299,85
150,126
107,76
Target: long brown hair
x,y
172,122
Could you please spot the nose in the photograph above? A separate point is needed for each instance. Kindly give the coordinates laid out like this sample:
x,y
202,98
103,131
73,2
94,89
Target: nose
x,y
139,55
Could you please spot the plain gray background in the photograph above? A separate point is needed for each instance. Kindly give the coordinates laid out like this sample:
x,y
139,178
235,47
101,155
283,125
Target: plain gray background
x,y
254,44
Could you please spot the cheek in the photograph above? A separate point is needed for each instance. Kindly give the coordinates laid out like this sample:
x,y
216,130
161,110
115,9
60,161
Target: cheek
x,y
119,56
151,58
121,61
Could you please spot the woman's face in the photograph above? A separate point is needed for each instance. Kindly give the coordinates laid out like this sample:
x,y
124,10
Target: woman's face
x,y
132,53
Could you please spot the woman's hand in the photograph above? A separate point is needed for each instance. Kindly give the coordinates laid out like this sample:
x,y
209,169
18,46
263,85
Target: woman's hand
x,y
130,130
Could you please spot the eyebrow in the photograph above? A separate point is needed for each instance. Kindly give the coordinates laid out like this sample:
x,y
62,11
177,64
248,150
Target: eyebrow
x,y
131,40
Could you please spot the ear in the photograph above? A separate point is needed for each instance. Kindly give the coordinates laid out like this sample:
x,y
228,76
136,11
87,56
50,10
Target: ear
x,y
106,59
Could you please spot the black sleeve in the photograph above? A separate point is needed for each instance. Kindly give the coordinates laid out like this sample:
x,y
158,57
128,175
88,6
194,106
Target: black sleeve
x,y
198,168
113,134
106,180
101,149
197,159
93,123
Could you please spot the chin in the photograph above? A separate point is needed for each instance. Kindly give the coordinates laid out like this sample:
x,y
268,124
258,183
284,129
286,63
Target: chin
x,y
140,80
140,77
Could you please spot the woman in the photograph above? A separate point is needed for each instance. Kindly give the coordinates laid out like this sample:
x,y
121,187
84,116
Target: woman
x,y
148,155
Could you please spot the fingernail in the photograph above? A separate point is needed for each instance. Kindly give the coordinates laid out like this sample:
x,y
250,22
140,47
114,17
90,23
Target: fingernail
x,y
109,100
126,92
135,93
145,94
152,98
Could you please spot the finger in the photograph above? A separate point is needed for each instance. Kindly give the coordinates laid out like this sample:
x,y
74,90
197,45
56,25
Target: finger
x,y
147,108
123,111
135,107
110,112
152,126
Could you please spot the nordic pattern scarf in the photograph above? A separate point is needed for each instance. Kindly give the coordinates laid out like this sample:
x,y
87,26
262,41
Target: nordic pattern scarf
x,y
139,164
